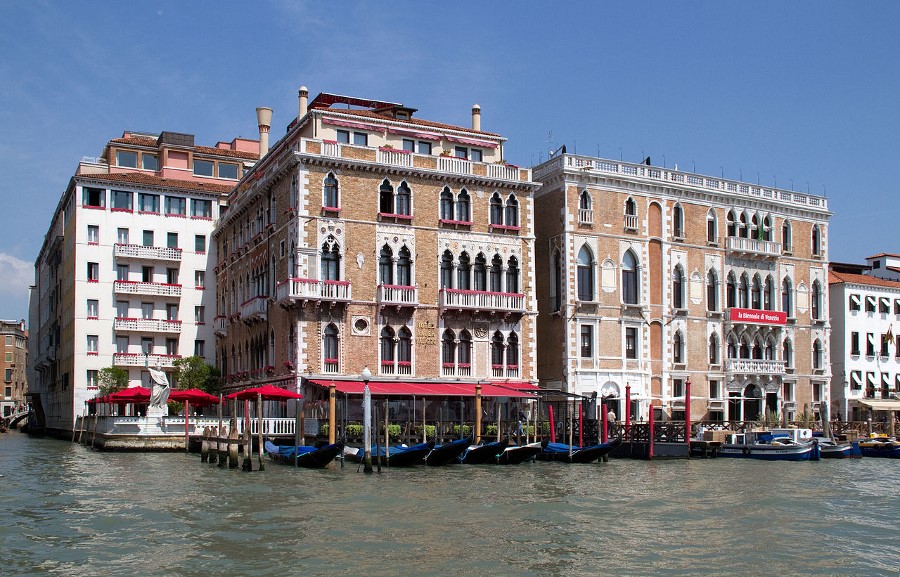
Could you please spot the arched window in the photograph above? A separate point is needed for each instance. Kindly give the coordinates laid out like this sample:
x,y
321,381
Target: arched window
x,y
745,349
744,292
464,349
584,200
331,260
446,204
769,294
744,230
404,199
732,347
463,202
512,351
512,211
755,231
386,198
497,350
556,281
713,349
678,288
630,207
767,228
496,209
480,272
816,240
730,291
630,284
512,275
787,297
712,226
816,301
330,343
387,346
712,291
464,272
756,293
677,348
787,353
757,349
678,221
786,242
585,274
496,274
386,265
404,346
817,354
769,352
330,192
404,267
731,222
447,270
448,349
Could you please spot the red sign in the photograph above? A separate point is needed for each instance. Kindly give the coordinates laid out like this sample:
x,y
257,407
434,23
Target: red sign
x,y
758,316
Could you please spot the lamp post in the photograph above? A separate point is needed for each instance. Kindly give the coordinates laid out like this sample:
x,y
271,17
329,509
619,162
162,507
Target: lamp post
x,y
366,374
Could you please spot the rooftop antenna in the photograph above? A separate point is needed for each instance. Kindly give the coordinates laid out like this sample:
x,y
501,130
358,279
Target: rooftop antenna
x,y
664,161
694,164
792,185
620,152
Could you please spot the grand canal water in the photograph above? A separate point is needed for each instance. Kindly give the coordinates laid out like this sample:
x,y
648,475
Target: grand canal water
x,y
67,510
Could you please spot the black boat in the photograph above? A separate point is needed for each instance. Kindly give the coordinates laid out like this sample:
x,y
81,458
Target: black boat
x,y
304,456
573,454
483,454
519,454
397,456
448,452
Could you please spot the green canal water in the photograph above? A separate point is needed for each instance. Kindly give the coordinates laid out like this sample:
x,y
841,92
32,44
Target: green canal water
x,y
66,510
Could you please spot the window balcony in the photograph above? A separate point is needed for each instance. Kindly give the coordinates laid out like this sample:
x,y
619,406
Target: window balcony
x,y
301,290
255,309
147,288
396,367
220,326
585,216
398,295
631,222
752,247
457,299
126,324
759,367
331,366
140,360
454,165
140,252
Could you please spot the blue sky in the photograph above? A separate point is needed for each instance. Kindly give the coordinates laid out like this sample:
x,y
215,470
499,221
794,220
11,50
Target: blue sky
x,y
793,94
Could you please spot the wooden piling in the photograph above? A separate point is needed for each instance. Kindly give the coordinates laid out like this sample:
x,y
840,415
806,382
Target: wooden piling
x,y
259,432
477,414
332,422
233,439
204,445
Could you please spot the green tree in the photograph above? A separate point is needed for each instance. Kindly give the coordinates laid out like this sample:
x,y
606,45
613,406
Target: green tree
x,y
213,383
112,379
191,372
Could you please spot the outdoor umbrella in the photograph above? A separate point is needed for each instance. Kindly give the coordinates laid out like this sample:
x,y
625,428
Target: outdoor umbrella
x,y
268,393
129,395
195,397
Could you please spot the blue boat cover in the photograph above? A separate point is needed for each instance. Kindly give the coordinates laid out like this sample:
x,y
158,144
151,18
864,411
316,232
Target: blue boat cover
x,y
563,448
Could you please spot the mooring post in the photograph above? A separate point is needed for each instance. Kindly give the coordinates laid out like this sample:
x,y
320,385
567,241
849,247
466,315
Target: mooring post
x,y
204,445
367,426
687,414
652,434
248,438
233,439
259,431
477,414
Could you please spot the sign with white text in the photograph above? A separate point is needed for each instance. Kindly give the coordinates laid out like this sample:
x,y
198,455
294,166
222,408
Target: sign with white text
x,y
758,316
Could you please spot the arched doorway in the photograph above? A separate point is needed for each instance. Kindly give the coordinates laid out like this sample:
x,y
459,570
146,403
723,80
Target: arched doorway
x,y
752,402
611,398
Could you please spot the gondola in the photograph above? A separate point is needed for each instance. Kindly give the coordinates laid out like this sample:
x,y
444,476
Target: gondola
x,y
448,452
304,456
397,456
483,454
572,454
519,454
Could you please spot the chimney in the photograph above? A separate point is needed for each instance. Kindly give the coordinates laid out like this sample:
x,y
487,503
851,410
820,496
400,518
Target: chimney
x,y
476,117
264,119
304,99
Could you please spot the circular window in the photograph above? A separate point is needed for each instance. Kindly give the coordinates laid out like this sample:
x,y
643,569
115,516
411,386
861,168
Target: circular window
x,y
361,325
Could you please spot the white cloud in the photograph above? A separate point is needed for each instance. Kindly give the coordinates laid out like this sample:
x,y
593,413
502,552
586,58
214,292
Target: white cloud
x,y
16,276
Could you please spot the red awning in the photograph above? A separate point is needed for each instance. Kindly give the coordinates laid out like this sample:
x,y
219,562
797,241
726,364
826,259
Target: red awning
x,y
415,133
349,124
394,388
472,142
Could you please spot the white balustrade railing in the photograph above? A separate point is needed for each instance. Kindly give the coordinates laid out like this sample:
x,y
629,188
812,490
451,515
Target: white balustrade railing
x,y
220,325
503,171
147,288
482,300
754,366
140,359
398,295
454,165
394,157
257,307
147,252
585,216
631,222
147,325
752,245
311,289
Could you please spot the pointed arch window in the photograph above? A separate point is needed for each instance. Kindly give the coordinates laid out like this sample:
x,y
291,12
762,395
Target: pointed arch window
x,y
786,237
512,275
818,356
387,346
730,291
745,349
448,349
744,230
630,283
732,351
446,203
585,208
816,301
756,293
330,198
757,349
787,353
463,206
404,267
330,348
731,223
631,220
480,272
714,349
712,291
556,281
744,292
404,346
497,351
331,260
769,294
447,270
769,351
386,198
496,209
678,221
512,212
585,274
816,240
787,297
464,272
386,265
496,274
767,228
678,288
678,348
712,226
512,352
464,351
404,199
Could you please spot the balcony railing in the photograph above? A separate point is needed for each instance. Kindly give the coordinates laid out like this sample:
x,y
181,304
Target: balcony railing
x,y
482,300
139,360
585,216
147,288
220,325
631,222
454,165
147,252
753,247
395,157
754,367
146,325
304,289
398,295
255,309
396,368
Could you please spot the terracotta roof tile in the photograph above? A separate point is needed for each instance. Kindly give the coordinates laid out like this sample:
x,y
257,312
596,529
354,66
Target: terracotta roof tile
x,y
416,121
135,141
863,279
881,254
225,152
149,179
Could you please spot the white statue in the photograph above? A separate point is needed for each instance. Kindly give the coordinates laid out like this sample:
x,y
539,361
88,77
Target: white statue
x,y
159,395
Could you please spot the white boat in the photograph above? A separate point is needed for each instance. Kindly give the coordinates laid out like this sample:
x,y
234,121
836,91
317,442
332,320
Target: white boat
x,y
773,445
